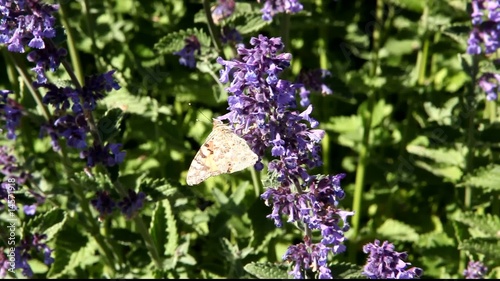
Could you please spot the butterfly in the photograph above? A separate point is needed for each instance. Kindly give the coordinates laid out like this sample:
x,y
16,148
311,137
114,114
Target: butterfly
x,y
223,152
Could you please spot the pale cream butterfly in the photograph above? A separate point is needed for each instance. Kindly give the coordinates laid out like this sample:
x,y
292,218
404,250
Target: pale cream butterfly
x,y
223,152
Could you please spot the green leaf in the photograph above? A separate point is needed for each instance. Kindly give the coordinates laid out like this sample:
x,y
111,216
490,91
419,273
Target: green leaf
x,y
443,116
173,232
174,41
157,189
158,226
452,173
439,155
396,230
487,247
435,240
413,5
267,270
346,270
231,252
486,178
109,125
147,107
380,112
68,242
49,223
486,225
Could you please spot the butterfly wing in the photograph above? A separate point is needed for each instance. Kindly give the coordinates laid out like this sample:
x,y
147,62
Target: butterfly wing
x,y
223,152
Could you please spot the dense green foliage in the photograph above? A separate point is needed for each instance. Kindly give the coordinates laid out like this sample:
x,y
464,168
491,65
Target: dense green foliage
x,y
406,123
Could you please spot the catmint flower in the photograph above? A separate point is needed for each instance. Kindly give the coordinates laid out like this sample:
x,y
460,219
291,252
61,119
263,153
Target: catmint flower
x,y
489,84
230,35
187,53
26,22
131,204
60,97
4,264
109,155
74,127
96,86
312,80
308,257
222,10
45,59
11,112
28,247
103,203
475,270
30,210
10,168
273,7
263,110
385,263
485,19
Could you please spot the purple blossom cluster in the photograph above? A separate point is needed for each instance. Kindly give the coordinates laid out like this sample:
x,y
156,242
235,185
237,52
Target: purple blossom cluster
x,y
129,205
263,110
223,10
187,53
26,250
489,83
30,23
312,80
230,36
486,31
26,22
273,7
485,19
475,270
10,112
4,264
385,263
11,170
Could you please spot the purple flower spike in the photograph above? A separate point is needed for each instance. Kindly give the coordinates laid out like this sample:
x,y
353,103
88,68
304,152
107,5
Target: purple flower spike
x,y
4,264
25,250
222,10
385,263
312,80
273,7
10,112
489,83
230,35
109,155
475,270
485,18
26,23
308,256
187,53
130,205
263,110
103,203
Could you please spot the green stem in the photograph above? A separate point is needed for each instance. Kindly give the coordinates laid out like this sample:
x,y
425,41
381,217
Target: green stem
x,y
148,241
90,26
214,32
469,107
257,184
21,69
285,31
365,145
73,53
